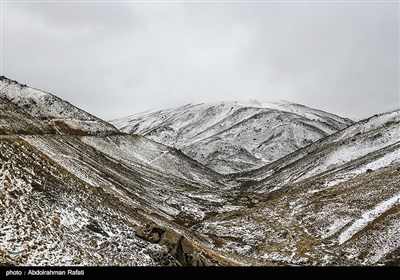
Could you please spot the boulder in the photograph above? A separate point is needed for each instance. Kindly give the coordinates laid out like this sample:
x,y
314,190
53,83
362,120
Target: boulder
x,y
187,246
170,237
180,250
150,232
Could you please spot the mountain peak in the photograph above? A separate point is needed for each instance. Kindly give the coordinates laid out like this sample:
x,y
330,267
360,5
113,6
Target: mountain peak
x,y
234,136
4,79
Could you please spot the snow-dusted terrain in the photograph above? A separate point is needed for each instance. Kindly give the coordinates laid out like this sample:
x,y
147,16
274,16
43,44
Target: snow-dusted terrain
x,y
74,190
333,202
51,110
356,222
233,136
92,196
374,140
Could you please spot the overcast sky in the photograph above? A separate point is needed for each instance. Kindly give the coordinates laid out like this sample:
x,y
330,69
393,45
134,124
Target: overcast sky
x,y
115,59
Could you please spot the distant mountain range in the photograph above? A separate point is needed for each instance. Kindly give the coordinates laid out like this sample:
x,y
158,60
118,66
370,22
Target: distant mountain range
x,y
231,137
207,184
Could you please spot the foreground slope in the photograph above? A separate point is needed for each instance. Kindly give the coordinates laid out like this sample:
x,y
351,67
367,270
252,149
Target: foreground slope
x,y
49,216
162,188
231,136
333,202
356,222
74,190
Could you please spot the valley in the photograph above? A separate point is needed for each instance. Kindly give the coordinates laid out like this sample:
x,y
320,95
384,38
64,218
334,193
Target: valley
x,y
228,183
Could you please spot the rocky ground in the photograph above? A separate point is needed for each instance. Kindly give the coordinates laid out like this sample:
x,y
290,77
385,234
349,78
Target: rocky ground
x,y
74,190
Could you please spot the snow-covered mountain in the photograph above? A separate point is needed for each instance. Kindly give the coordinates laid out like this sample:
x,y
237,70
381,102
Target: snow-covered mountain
x,y
232,136
368,137
48,112
333,202
82,193
76,191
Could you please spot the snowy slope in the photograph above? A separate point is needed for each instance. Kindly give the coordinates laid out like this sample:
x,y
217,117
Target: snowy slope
x,y
362,140
233,136
49,217
90,212
336,201
14,120
355,222
95,196
75,191
143,176
53,111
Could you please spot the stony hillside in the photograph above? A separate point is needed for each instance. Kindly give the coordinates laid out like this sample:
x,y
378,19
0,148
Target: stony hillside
x,y
355,222
362,140
76,191
334,202
93,196
52,216
231,136
47,109
14,120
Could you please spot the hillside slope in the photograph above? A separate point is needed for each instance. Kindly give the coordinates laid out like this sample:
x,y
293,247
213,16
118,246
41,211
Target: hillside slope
x,y
333,202
82,193
47,109
361,140
355,222
52,216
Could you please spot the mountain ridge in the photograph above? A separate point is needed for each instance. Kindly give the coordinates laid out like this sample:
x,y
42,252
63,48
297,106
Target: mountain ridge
x,y
91,195
223,130
52,110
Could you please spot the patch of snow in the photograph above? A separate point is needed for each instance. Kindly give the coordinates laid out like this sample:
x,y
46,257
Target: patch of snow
x,y
228,208
351,151
368,217
336,226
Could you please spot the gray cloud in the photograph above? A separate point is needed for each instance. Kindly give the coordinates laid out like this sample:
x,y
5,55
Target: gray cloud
x,y
114,59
